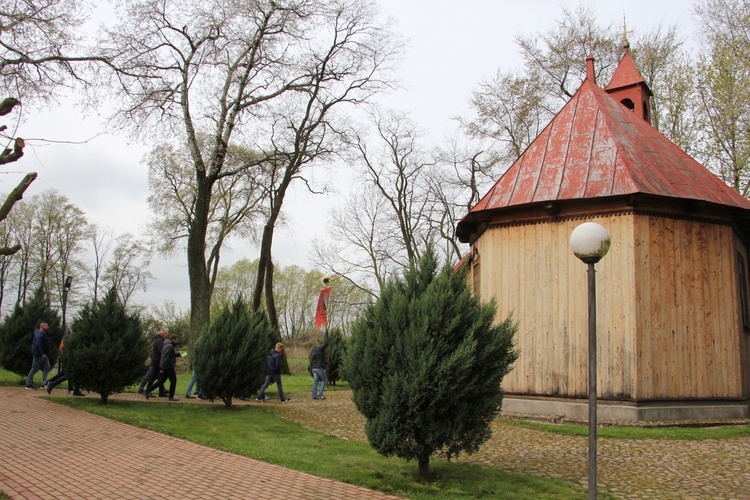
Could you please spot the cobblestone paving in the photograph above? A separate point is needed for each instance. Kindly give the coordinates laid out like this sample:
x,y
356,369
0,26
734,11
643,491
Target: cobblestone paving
x,y
626,468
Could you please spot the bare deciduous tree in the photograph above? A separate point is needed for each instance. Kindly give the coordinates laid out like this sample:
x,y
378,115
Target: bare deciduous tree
x,y
127,271
59,230
726,23
40,51
40,44
384,227
512,108
263,74
556,59
510,111
101,244
51,231
724,99
235,208
358,245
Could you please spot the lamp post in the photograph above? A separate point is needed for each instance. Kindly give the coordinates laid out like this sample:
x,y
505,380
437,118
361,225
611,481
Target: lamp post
x,y
66,289
590,242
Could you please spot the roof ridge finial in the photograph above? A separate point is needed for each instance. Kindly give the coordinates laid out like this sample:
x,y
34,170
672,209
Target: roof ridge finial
x,y
625,43
590,73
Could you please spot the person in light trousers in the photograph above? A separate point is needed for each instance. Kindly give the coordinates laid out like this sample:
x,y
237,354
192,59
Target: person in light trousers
x,y
319,368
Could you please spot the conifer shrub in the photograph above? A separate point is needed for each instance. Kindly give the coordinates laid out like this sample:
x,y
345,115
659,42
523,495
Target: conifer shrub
x,y
107,348
17,331
336,353
230,357
425,363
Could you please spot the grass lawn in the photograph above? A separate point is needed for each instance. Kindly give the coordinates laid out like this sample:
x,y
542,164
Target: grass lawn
x,y
10,379
259,433
686,433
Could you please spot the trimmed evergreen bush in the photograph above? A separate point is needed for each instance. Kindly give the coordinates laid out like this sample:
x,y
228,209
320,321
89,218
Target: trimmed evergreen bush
x,y
107,348
230,358
336,353
425,363
17,331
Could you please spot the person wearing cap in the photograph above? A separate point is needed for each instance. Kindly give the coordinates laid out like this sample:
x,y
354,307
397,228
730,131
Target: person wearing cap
x,y
319,368
273,373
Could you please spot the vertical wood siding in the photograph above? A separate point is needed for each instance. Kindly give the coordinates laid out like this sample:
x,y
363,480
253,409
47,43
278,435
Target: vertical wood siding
x,y
667,308
687,301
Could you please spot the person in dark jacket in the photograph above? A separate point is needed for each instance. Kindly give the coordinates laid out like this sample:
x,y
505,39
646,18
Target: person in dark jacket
x,y
61,377
273,373
319,368
40,355
166,369
157,344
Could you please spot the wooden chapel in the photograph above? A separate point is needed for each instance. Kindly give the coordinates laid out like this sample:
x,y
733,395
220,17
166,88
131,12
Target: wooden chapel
x,y
672,293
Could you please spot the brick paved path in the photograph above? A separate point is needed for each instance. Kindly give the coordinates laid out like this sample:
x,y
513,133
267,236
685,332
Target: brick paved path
x,y
52,451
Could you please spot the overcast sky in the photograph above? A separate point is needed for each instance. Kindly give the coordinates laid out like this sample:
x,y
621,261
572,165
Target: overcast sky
x,y
452,46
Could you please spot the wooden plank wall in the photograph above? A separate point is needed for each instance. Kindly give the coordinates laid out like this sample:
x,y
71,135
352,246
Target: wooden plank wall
x,y
533,274
689,323
667,300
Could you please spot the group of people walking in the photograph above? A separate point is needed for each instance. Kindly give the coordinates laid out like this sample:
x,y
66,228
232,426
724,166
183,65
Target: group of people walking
x,y
163,360
163,356
273,371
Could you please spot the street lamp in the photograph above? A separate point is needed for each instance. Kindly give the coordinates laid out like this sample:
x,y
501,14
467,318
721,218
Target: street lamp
x,y
590,242
66,289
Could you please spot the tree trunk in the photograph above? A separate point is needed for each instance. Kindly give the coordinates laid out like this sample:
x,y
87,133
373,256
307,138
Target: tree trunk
x,y
270,300
424,469
273,315
200,286
263,259
104,396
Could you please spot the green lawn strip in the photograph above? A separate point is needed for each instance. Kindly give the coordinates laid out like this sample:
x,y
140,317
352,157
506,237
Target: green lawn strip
x,y
11,379
301,383
259,433
686,433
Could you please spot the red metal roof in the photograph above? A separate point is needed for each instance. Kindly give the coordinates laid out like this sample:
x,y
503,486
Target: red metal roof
x,y
596,147
626,74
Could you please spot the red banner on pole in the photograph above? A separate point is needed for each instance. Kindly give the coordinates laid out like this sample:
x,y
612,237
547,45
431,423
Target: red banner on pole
x,y
321,314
